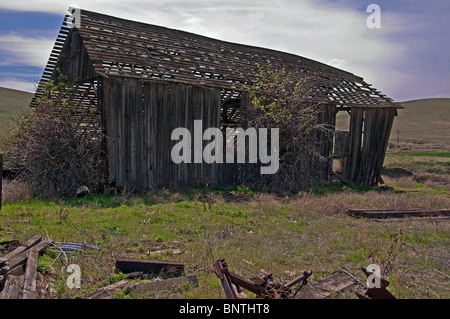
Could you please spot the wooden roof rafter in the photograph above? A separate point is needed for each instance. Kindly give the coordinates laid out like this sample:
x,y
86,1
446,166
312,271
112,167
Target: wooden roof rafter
x,y
121,48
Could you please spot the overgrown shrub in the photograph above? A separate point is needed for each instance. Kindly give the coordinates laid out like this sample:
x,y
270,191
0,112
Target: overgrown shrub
x,y
58,147
283,100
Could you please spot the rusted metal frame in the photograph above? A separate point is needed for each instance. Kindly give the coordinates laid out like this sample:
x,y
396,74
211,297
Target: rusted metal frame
x,y
241,282
302,278
376,292
228,279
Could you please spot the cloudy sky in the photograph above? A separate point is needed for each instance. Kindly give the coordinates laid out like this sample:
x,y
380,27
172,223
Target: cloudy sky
x,y
407,58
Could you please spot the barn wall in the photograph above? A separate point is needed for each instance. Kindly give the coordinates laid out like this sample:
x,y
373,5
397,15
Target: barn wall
x,y
141,115
74,60
140,118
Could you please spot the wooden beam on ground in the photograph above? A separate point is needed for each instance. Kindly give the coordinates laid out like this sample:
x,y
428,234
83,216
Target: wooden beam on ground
x,y
13,287
148,266
323,288
29,286
163,284
386,213
30,243
18,260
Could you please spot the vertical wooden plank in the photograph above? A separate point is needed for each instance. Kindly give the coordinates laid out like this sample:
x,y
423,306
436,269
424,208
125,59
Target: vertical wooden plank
x,y
181,122
386,121
153,137
163,137
125,147
368,146
377,127
139,156
216,104
147,107
121,119
29,287
351,165
197,105
176,121
109,105
117,118
131,141
189,124
158,93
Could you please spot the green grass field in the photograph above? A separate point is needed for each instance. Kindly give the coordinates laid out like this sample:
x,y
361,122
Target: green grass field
x,y
254,232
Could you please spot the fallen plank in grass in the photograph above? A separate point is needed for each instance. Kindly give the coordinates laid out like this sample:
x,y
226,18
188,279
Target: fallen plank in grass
x,y
388,213
162,284
149,266
108,291
19,259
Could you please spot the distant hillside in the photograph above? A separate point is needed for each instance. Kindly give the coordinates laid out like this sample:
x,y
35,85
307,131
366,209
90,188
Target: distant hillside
x,y
420,125
423,124
12,104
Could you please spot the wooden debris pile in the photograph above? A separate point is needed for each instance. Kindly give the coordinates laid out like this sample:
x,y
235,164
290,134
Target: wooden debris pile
x,y
19,277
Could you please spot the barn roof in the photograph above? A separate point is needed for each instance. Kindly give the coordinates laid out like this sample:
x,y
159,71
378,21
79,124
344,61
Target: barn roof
x,y
124,48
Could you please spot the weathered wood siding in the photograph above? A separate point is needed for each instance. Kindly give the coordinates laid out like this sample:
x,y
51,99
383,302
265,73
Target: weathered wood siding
x,y
74,60
370,129
141,117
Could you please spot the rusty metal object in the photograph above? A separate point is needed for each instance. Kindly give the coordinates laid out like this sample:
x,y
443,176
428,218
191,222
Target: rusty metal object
x,y
376,292
263,287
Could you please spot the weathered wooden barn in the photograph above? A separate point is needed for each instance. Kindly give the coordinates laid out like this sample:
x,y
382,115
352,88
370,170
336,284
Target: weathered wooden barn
x,y
147,80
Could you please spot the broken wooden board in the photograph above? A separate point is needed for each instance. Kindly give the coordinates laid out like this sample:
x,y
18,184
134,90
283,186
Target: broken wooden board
x,y
30,243
391,213
163,284
323,288
149,266
144,286
29,286
19,259
108,291
13,288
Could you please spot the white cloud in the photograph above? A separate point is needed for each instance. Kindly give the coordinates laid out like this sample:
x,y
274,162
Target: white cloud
x,y
329,34
20,50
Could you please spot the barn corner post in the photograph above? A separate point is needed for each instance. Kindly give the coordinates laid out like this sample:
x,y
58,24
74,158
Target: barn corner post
x,y
102,107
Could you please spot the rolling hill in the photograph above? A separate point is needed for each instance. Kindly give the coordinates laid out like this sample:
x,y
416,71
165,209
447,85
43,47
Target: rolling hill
x,y
12,104
423,124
